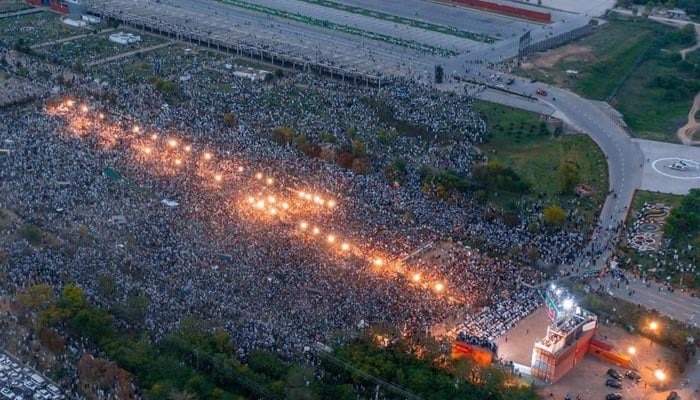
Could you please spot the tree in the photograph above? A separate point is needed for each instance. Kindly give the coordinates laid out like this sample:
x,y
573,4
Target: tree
x,y
72,298
37,297
264,362
568,176
554,215
282,134
230,120
32,234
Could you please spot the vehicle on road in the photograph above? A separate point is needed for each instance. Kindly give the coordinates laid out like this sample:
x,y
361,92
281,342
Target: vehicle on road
x,y
613,396
633,375
501,86
510,81
614,374
614,383
541,92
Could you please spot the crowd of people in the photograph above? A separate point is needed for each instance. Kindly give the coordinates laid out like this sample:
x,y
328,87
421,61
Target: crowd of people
x,y
278,286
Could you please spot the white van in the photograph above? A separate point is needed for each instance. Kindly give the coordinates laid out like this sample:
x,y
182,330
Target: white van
x,y
53,389
38,380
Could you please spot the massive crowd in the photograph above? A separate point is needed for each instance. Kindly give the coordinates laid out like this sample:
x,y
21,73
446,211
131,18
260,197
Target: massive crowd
x,y
261,274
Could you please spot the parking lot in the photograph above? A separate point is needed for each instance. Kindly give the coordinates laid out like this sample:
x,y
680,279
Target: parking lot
x,y
588,378
18,382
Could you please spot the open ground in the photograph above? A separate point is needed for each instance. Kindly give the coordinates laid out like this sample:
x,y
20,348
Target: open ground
x,y
625,62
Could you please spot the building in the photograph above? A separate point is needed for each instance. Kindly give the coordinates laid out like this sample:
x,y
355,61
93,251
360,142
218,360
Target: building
x,y
676,13
568,337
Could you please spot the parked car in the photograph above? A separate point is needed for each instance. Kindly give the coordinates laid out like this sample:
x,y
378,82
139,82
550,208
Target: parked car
x,y
541,92
613,396
633,375
613,383
614,374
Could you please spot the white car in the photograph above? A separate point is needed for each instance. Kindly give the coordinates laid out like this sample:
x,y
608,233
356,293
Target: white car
x,y
7,393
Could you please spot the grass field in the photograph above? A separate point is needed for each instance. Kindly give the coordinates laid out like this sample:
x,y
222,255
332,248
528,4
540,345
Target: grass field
x,y
35,28
12,7
517,139
624,54
93,48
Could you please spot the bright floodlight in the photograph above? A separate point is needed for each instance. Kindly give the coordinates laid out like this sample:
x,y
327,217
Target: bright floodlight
x,y
331,238
553,286
70,103
178,162
84,108
147,150
172,143
653,325
154,136
345,247
258,176
240,169
631,350
316,231
659,374
303,226
101,116
416,277
271,199
331,203
136,129
273,211
439,287
188,148
207,156
269,181
285,205
378,262
217,178
302,194
260,204
558,292
251,200
568,304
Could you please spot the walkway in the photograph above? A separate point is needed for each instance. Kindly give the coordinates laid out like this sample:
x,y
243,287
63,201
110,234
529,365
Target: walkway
x,y
68,39
127,54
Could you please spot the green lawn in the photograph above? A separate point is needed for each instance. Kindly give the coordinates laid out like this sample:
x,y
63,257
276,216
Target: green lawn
x,y
35,28
94,47
630,49
12,7
517,140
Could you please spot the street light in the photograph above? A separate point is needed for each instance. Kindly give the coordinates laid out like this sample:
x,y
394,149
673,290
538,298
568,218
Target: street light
x,y
660,375
653,325
631,350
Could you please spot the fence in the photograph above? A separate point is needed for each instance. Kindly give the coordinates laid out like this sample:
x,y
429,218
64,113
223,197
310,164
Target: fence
x,y
555,41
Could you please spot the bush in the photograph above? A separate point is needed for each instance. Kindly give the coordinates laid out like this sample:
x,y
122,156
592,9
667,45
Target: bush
x,y
554,215
32,234
282,135
230,120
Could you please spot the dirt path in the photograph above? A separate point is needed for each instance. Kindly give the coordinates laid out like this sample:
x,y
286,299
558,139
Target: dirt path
x,y
684,52
686,132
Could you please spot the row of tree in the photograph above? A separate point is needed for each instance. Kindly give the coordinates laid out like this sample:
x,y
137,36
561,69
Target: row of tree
x,y
199,362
